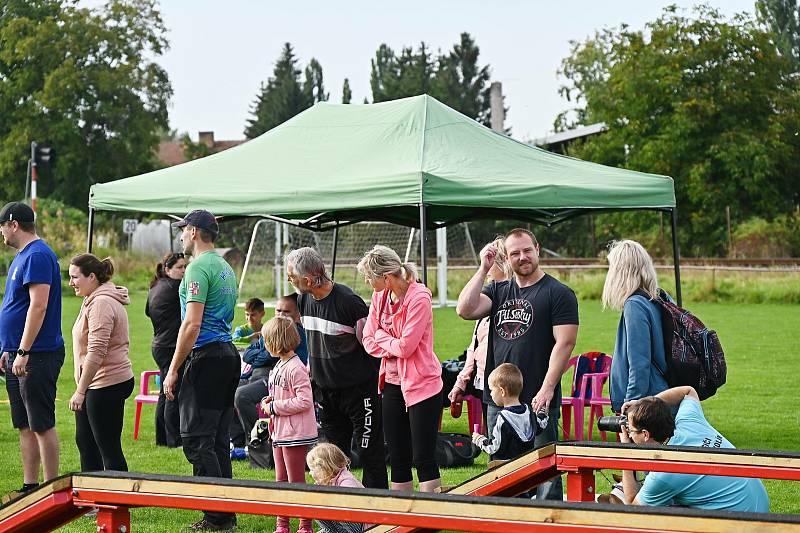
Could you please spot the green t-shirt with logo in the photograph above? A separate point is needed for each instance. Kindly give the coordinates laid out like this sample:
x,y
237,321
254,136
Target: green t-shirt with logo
x,y
209,279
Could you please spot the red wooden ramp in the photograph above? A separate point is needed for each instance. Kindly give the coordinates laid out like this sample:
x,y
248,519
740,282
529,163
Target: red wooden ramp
x,y
476,509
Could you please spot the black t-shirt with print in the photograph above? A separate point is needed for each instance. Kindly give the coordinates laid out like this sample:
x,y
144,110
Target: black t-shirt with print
x,y
521,328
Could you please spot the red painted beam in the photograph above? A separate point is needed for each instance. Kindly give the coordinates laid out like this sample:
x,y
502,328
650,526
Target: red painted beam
x,y
47,514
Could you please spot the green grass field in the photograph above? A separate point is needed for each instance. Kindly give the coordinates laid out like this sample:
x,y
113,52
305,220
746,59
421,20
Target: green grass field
x,y
755,409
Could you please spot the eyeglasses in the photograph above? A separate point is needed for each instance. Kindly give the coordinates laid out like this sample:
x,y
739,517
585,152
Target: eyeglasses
x,y
631,431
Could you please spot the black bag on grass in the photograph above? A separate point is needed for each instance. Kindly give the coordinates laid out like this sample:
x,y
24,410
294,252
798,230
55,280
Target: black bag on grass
x,y
455,449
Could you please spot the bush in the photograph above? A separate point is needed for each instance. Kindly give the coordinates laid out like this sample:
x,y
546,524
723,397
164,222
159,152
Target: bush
x,y
757,237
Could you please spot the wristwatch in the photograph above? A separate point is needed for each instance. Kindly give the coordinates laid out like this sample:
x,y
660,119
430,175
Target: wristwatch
x,y
23,353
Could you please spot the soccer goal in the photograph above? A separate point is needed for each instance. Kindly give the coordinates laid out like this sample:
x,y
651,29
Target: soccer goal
x,y
264,275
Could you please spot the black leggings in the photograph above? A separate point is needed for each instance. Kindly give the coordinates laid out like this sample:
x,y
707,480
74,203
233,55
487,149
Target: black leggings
x,y
98,428
411,434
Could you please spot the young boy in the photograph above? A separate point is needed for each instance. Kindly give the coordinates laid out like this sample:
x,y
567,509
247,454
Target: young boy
x,y
251,330
513,433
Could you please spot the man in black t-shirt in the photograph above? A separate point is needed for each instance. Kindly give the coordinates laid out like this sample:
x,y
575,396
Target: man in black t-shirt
x,y
344,376
533,324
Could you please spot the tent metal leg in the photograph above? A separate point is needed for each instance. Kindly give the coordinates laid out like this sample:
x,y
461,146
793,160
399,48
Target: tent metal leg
x,y
90,232
335,248
423,257
676,256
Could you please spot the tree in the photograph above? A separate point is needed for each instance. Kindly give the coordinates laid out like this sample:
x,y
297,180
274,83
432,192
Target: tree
x,y
705,100
461,83
347,95
782,18
408,74
454,78
284,95
86,82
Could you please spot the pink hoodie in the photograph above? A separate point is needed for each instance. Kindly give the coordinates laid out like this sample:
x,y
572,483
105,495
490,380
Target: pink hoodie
x,y
100,335
410,341
292,406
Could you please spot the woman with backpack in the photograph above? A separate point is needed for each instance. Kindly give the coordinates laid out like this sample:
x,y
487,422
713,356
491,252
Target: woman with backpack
x,y
639,366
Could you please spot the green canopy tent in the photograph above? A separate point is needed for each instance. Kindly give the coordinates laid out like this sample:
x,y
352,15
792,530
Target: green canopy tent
x,y
414,162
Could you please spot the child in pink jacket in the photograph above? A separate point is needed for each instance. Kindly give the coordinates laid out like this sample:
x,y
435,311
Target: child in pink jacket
x,y
290,407
328,466
399,330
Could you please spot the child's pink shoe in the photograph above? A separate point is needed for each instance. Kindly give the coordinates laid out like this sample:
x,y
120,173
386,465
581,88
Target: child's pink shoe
x,y
282,529
306,529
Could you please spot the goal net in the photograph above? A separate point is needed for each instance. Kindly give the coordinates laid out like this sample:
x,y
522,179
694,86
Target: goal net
x,y
264,277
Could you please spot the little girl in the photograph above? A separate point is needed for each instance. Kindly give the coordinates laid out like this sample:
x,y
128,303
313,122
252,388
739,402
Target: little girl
x,y
328,466
291,408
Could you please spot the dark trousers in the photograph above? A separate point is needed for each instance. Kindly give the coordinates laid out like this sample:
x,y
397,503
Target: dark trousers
x,y
168,417
206,405
352,417
98,428
246,401
411,434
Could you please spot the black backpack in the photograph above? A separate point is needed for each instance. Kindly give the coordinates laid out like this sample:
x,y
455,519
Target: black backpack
x,y
455,449
693,352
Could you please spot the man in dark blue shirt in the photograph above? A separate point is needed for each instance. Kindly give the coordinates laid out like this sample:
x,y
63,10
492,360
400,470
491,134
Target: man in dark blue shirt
x,y
32,345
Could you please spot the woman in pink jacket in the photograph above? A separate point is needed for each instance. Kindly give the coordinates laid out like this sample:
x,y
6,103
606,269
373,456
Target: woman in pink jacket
x,y
399,330
290,407
103,372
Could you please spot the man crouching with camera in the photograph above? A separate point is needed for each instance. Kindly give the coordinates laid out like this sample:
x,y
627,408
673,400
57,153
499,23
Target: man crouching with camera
x,y
650,421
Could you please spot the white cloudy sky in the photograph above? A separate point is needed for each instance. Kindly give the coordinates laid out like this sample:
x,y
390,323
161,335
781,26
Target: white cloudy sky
x,y
222,50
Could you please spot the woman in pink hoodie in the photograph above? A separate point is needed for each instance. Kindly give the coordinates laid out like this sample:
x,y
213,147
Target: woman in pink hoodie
x,y
399,330
103,372
290,407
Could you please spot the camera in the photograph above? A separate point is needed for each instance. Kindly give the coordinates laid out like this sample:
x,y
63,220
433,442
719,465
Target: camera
x,y
612,423
260,433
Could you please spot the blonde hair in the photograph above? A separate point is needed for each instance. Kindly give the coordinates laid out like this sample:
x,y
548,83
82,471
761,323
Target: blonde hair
x,y
630,268
328,460
382,260
280,335
508,377
501,258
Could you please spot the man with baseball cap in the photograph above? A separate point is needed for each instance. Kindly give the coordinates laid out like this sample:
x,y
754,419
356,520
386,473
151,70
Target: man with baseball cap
x,y
31,341
208,298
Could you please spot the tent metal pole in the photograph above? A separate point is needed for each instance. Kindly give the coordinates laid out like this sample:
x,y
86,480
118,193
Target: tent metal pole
x,y
335,248
676,256
423,257
90,232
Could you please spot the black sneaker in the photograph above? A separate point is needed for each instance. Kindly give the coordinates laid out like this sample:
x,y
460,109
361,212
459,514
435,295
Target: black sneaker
x,y
205,525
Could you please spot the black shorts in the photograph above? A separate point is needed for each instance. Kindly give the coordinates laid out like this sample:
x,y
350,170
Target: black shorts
x,y
33,397
209,384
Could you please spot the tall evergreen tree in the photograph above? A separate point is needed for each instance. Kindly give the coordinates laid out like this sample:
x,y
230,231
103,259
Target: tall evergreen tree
x,y
454,78
347,95
284,95
408,74
461,83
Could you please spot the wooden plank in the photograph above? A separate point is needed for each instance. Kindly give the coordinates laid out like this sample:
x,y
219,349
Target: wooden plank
x,y
413,509
719,456
44,491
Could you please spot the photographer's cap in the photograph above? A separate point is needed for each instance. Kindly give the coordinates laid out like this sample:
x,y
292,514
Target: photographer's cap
x,y
17,211
199,218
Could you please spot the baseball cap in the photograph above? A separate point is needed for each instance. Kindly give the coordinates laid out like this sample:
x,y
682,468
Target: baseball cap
x,y
199,218
17,211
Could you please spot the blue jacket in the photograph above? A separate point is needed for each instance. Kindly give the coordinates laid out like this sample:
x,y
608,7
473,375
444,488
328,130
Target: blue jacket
x,y
257,355
638,353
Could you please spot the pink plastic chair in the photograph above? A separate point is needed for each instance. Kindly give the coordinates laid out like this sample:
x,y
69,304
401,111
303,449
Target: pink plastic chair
x,y
474,412
581,394
144,396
